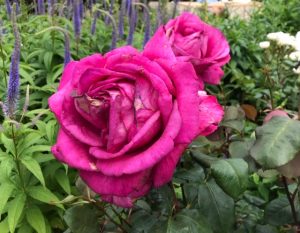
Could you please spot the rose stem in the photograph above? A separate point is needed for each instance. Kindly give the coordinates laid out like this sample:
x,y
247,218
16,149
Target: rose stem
x,y
292,204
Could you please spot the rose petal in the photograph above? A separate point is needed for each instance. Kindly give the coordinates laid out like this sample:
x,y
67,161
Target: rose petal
x,y
117,132
211,114
94,61
67,74
199,43
77,126
147,158
93,77
187,86
73,152
64,89
212,75
163,171
122,50
159,47
124,202
144,135
133,185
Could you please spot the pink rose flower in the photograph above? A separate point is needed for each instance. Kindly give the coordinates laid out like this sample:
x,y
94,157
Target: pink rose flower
x,y
126,119
197,42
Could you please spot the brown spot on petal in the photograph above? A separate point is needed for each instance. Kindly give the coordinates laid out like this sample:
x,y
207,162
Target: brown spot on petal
x,y
141,70
96,103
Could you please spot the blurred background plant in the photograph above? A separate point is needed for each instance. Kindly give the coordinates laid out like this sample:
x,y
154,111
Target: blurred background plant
x,y
232,181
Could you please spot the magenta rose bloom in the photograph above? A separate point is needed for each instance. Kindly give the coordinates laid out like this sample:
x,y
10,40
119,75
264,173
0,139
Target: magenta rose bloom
x,y
197,42
126,118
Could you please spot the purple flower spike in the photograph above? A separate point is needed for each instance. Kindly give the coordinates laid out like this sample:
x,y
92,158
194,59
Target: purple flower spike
x,y
17,6
147,26
13,83
111,8
158,17
67,58
69,2
94,22
132,23
41,8
76,19
81,9
50,7
114,39
90,5
8,8
128,7
106,18
121,18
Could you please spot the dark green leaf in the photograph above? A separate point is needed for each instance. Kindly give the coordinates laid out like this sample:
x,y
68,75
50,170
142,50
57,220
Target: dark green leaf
x,y
189,221
161,199
265,229
240,149
216,206
277,142
82,219
142,221
231,175
278,212
194,174
186,221
203,159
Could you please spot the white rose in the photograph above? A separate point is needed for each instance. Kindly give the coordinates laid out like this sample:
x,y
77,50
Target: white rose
x,y
296,71
295,56
264,44
297,41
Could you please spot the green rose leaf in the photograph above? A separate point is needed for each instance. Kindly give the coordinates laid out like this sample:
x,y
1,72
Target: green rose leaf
x,y
216,206
277,142
278,212
186,221
231,175
82,219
